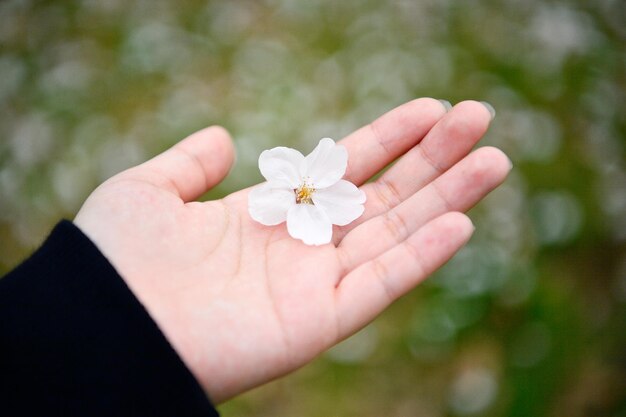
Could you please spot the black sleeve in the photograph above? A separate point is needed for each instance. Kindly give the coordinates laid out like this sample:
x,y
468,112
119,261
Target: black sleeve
x,y
74,341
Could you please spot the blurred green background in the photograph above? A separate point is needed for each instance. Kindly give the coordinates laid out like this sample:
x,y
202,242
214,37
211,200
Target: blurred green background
x,y
528,320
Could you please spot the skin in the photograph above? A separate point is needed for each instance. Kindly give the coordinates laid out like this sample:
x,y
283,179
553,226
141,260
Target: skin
x,y
244,303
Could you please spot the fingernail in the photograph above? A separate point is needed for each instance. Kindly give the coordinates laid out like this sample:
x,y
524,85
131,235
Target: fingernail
x,y
489,107
446,104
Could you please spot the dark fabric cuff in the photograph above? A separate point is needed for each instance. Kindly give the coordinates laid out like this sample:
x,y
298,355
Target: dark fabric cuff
x,y
74,340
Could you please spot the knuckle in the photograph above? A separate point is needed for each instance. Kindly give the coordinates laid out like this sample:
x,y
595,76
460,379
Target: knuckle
x,y
382,275
430,160
414,252
396,225
379,137
388,193
445,202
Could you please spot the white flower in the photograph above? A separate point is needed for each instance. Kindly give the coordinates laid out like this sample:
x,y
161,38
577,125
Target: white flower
x,y
307,192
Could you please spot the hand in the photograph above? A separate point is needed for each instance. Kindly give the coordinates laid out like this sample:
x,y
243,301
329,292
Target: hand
x,y
244,303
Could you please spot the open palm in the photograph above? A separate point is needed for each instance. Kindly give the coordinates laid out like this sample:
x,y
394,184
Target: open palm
x,y
243,303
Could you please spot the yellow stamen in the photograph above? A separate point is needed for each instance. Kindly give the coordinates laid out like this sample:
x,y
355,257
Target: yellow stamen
x,y
304,194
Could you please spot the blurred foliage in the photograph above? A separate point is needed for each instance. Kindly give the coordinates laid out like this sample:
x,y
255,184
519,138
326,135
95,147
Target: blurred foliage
x,y
528,320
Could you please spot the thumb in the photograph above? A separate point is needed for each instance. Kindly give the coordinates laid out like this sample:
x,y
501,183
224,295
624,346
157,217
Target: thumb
x,y
192,166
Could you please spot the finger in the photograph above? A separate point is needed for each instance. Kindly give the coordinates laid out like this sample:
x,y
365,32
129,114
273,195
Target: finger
x,y
376,145
451,139
459,189
192,166
369,289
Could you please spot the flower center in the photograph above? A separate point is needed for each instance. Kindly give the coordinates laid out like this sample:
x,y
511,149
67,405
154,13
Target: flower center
x,y
304,194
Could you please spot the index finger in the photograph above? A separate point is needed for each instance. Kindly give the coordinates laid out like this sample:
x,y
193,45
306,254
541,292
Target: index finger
x,y
376,145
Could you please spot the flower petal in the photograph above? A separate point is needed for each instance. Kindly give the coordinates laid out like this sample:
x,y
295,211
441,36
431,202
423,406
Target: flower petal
x,y
326,164
310,224
281,165
269,202
342,202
